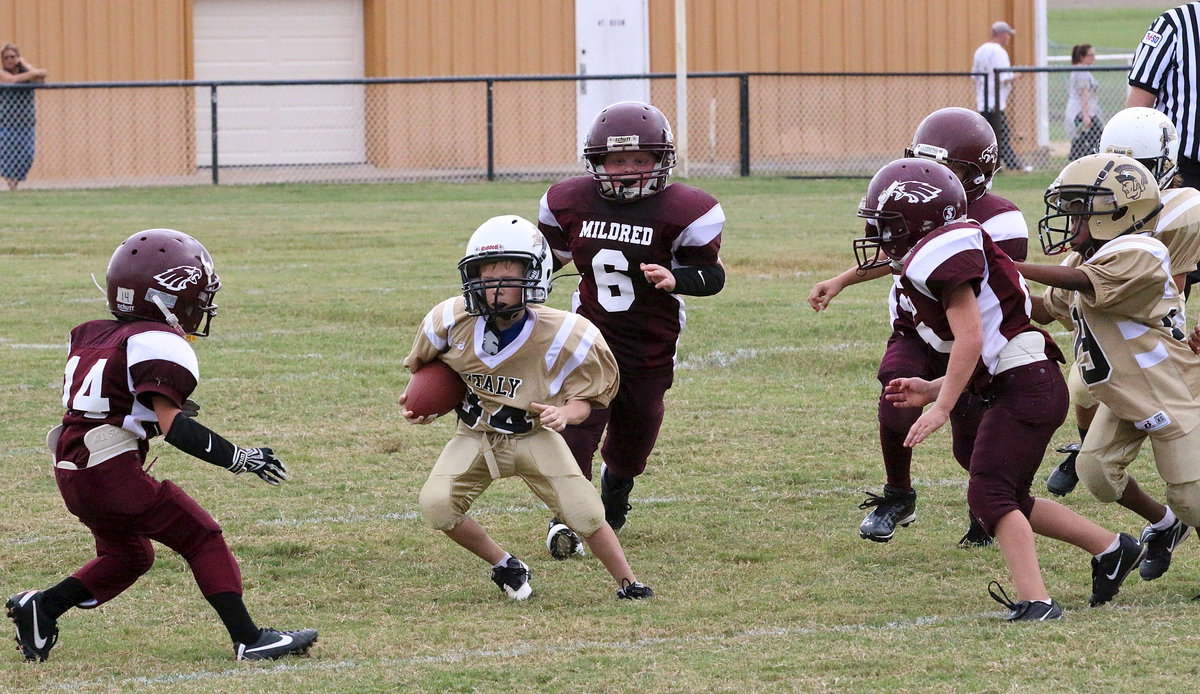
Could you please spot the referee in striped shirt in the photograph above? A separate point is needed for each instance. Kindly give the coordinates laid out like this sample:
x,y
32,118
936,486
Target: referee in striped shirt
x,y
1165,75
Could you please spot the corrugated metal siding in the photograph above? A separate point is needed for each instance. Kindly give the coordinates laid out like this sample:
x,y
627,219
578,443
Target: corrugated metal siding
x,y
112,40
102,41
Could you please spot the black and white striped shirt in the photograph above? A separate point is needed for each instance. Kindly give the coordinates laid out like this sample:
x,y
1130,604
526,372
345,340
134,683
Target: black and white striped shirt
x,y
1165,63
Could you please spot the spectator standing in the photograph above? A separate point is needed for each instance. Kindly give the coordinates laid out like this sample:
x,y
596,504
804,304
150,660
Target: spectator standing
x,y
990,57
1163,76
1084,121
17,115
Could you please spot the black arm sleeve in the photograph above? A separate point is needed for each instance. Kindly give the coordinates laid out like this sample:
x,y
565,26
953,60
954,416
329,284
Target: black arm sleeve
x,y
197,440
699,280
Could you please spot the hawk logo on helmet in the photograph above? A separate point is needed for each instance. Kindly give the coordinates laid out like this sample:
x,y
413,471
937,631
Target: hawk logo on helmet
x,y
988,155
178,277
910,191
1132,181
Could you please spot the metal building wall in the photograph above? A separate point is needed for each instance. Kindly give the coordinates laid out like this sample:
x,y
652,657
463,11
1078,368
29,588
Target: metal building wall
x,y
100,41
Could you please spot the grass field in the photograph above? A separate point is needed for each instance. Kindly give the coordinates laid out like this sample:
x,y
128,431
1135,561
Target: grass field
x,y
745,522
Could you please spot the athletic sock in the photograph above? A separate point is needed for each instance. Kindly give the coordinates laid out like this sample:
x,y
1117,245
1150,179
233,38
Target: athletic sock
x,y
503,562
67,594
1167,521
1111,548
233,614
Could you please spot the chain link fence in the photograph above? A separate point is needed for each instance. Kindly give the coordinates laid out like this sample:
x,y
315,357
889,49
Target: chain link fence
x,y
469,129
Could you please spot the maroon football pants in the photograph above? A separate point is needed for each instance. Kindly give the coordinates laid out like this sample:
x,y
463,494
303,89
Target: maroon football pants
x,y
125,509
1026,405
908,356
633,419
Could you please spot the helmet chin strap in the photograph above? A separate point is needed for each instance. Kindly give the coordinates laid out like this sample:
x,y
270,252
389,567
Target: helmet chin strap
x,y
170,317
95,282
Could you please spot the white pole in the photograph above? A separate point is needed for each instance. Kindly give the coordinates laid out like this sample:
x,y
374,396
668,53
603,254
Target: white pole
x,y
681,121
1039,59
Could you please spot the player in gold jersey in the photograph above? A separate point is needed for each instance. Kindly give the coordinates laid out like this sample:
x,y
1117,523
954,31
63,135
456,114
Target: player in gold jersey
x,y
530,371
1118,289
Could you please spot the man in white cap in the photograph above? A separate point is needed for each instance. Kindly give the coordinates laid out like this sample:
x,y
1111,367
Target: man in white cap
x,y
989,57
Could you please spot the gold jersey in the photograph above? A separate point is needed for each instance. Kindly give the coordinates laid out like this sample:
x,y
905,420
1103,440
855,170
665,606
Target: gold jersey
x,y
1130,342
1178,227
556,357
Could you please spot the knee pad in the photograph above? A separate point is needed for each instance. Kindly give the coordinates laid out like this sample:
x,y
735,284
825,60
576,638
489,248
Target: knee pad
x,y
897,419
438,509
1184,500
989,501
1105,482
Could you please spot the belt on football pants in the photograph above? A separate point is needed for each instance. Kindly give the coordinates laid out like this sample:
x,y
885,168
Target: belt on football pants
x,y
104,443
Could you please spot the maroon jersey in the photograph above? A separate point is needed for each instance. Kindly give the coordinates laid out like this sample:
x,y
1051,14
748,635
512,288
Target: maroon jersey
x,y
112,369
1001,220
958,253
608,241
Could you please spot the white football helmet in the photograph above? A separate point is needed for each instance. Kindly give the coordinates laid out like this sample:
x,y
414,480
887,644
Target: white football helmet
x,y
1145,134
507,237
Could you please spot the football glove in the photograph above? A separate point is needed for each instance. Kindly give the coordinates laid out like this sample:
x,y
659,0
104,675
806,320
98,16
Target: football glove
x,y
260,461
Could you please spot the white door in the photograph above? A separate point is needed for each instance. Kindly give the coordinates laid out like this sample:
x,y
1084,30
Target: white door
x,y
280,40
611,38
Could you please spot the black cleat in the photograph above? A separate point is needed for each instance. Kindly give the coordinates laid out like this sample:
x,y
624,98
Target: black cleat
x,y
1026,610
893,508
632,590
563,542
614,494
37,632
273,644
1110,570
1062,481
513,579
976,536
1159,546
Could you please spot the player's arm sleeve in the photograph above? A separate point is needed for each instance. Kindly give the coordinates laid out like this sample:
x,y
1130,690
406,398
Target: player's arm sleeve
x,y
552,230
161,363
700,242
1010,231
590,372
433,336
1130,282
1057,303
699,280
1155,57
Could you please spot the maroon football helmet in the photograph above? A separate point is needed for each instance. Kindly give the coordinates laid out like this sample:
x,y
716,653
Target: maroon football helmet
x,y
629,126
165,276
905,201
963,140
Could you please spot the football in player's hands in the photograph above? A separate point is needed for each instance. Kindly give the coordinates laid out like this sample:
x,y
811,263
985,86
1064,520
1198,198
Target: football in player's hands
x,y
434,389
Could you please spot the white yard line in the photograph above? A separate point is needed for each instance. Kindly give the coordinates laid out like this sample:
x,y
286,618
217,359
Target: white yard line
x,y
531,648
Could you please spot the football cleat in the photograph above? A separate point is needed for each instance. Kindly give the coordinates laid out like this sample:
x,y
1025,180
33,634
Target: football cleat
x,y
633,590
273,644
513,579
1159,546
1063,480
975,536
37,631
614,494
563,542
1110,570
893,508
1026,610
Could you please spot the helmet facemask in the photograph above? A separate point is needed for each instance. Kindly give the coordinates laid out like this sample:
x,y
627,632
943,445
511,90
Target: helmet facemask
x,y
632,185
885,239
480,293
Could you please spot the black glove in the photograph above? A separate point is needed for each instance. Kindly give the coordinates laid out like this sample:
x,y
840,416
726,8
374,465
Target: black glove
x,y
260,461
190,408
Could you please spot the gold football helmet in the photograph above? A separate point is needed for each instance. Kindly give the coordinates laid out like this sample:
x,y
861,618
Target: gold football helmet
x,y
1113,193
